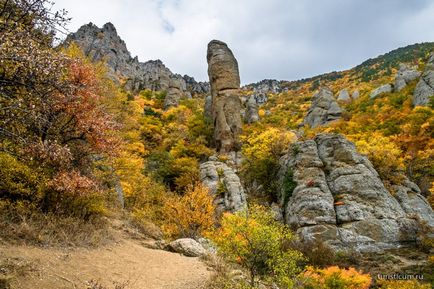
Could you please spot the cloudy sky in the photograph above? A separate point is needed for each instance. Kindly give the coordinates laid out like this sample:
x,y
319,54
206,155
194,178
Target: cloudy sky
x,y
279,39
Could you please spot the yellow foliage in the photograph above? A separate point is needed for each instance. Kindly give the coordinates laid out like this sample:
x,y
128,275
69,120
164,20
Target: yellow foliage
x,y
402,284
189,215
335,277
269,143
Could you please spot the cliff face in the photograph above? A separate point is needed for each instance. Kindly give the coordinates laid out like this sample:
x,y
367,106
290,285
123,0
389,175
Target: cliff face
x,y
332,193
105,44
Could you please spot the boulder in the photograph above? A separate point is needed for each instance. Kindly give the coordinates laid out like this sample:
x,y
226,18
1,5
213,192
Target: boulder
x,y
404,76
355,94
323,110
380,90
343,95
226,105
224,185
187,247
331,192
424,90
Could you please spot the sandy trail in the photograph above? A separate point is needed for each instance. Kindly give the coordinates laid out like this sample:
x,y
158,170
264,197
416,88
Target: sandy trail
x,y
126,261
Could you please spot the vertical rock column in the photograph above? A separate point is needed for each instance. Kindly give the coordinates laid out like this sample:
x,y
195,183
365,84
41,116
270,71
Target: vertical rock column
x,y
226,105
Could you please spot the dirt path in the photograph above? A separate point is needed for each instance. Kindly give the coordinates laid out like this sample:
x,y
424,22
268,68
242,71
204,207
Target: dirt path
x,y
126,261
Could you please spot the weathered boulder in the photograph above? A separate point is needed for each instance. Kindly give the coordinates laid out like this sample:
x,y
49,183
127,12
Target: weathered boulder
x,y
323,110
424,90
404,76
174,93
343,95
380,90
226,105
332,193
355,94
224,185
251,113
187,247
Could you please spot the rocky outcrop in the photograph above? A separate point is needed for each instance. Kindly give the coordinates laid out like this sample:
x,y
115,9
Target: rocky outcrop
x,y
174,93
208,107
224,185
355,94
332,193
251,113
226,105
187,247
196,87
343,95
104,44
404,76
380,90
424,90
323,110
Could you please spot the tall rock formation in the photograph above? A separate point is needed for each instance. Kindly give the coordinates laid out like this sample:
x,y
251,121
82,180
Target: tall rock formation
x,y
324,109
104,44
333,193
424,90
224,79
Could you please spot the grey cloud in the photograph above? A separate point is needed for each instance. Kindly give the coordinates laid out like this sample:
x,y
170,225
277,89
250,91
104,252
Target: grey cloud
x,y
282,39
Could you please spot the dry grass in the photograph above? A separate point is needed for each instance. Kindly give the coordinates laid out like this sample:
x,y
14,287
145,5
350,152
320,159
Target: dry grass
x,y
30,227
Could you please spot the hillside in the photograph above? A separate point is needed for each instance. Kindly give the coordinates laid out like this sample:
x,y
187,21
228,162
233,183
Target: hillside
x,y
107,163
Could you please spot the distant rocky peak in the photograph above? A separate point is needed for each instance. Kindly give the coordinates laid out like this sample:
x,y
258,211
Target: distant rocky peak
x,y
104,44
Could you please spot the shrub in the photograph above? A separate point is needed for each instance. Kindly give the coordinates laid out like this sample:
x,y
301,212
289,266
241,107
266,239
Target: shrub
x,y
258,243
335,278
189,215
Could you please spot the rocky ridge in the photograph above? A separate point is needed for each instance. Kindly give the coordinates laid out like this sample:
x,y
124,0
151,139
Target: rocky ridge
x,y
105,44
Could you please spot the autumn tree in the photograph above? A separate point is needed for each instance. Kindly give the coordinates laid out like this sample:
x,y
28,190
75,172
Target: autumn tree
x,y
51,115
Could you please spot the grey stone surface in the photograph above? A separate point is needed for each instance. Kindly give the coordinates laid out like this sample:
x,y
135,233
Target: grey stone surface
x,y
323,110
380,90
404,76
251,112
340,198
104,44
225,91
343,95
224,185
187,247
355,94
424,90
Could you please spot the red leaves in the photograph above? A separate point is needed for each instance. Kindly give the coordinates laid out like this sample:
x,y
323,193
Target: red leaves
x,y
73,183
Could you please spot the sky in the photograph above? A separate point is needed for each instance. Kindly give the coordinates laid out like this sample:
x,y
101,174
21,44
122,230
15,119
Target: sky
x,y
271,39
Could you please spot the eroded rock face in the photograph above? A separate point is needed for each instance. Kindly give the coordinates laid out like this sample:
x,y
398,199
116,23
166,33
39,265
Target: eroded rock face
x,y
324,109
105,44
251,113
339,198
174,93
224,184
404,76
226,105
380,90
196,87
424,90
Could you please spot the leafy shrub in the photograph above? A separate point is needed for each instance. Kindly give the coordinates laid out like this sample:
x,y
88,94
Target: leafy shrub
x,y
189,215
335,278
258,243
